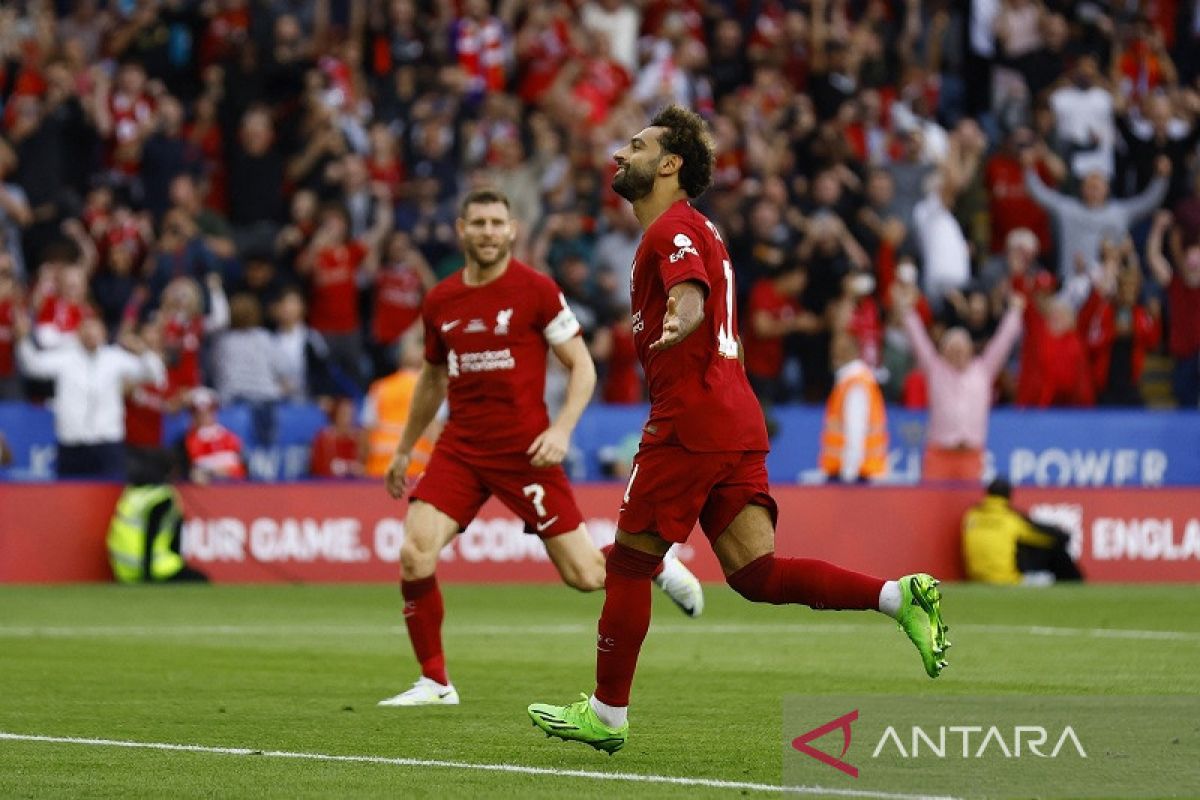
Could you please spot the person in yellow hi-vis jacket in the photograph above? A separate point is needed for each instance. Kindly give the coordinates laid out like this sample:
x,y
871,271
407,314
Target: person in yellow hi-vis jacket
x,y
1003,546
144,535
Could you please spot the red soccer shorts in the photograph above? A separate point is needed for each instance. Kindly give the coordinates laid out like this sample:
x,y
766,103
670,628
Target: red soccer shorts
x,y
670,488
540,496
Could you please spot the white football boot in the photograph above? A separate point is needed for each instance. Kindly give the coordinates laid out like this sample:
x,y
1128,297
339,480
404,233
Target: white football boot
x,y
425,692
681,585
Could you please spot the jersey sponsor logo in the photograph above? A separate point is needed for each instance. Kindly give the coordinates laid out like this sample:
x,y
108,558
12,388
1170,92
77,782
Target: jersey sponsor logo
x,y
476,326
481,361
451,325
638,323
684,243
503,319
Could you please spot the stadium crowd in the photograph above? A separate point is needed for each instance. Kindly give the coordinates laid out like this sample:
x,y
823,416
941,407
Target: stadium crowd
x,y
263,190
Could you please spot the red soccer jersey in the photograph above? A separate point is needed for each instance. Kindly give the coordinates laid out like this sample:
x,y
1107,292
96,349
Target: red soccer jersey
x,y
764,355
333,294
1183,304
398,293
699,395
7,364
493,341
334,455
144,407
64,315
1012,206
217,450
182,338
622,381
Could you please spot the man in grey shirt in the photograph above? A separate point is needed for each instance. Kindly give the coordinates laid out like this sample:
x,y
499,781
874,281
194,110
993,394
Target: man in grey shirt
x,y
1085,223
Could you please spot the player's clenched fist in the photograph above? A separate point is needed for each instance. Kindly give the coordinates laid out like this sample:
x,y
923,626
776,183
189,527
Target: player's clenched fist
x,y
549,448
397,474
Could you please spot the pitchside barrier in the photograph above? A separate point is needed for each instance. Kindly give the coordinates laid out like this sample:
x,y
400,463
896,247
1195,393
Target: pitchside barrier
x,y
1034,448
334,532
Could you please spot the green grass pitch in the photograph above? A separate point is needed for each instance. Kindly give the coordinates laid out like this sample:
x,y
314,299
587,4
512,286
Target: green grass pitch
x,y
300,668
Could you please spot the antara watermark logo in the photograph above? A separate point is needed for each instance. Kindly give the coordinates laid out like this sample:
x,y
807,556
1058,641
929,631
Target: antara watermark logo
x,y
945,742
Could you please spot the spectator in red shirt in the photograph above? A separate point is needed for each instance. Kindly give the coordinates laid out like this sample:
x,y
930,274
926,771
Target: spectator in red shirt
x,y
334,264
1064,375
1183,310
772,313
212,451
145,405
339,450
384,166
615,353
1118,331
185,327
10,303
64,306
125,117
401,282
481,44
1011,206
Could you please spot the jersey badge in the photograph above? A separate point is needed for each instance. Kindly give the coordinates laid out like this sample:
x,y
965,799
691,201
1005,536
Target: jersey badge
x,y
503,319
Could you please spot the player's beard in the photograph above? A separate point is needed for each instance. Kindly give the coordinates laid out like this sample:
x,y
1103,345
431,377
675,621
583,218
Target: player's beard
x,y
633,182
474,252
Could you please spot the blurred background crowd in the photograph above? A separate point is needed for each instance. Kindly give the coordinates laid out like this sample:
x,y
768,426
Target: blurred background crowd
x,y
262,191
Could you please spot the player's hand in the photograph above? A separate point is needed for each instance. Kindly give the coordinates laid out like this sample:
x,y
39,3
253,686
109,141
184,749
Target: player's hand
x,y
397,473
549,448
672,332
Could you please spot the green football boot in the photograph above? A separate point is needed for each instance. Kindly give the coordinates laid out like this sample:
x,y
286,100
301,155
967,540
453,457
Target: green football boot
x,y
578,723
920,618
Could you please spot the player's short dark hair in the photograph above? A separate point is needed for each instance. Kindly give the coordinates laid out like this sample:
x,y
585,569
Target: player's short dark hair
x,y
687,136
482,197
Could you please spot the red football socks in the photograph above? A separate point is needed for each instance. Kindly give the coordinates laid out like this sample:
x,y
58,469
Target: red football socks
x,y
608,549
623,622
423,612
817,584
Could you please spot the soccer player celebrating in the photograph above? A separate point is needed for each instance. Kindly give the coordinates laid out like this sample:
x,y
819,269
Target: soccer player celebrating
x,y
703,450
488,328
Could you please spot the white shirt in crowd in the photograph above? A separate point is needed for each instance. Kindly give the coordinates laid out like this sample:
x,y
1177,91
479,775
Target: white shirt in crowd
x,y
89,388
947,257
1084,118
621,24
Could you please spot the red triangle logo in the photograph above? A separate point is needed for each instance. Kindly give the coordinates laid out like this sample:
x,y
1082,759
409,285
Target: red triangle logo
x,y
843,723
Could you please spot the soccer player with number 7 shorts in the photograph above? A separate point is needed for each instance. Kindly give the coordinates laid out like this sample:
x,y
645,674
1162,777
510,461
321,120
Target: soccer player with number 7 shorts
x,y
703,450
488,329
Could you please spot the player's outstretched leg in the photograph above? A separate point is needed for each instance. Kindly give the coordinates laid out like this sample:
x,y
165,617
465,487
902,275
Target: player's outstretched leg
x,y
752,569
428,530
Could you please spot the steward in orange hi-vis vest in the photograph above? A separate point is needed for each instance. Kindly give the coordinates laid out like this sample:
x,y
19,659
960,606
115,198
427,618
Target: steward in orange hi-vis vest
x,y
854,439
384,413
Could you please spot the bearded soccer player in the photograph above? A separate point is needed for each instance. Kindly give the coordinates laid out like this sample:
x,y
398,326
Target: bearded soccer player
x,y
703,450
488,328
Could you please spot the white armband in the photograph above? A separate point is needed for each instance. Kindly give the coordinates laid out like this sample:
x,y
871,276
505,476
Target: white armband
x,y
562,327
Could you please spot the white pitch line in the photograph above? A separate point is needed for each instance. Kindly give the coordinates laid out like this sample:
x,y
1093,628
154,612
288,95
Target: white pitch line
x,y
626,777
571,629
